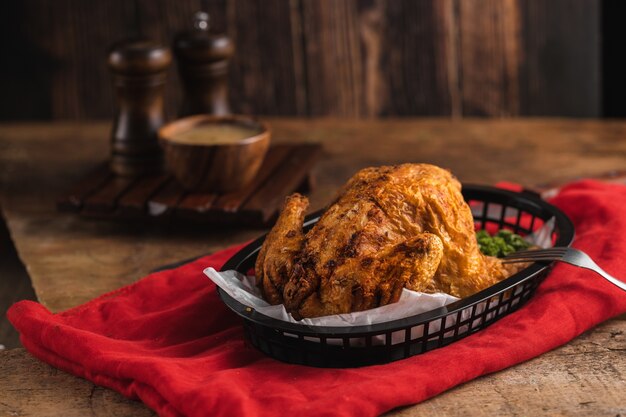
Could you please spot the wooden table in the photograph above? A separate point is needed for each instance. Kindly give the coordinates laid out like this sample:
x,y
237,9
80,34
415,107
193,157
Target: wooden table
x,y
71,260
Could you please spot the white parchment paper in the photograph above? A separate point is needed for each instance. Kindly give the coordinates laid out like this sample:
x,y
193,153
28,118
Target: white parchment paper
x,y
243,289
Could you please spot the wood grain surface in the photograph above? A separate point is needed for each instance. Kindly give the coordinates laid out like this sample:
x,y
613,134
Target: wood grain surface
x,y
71,260
160,198
330,57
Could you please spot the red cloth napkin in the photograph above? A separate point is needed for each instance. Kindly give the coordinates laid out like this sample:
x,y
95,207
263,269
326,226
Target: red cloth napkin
x,y
169,341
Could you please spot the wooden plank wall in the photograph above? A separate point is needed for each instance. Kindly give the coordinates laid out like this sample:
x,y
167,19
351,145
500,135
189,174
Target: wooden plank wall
x,y
350,58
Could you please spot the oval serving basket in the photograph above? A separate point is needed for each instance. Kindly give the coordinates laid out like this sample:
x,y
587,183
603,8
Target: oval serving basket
x,y
354,346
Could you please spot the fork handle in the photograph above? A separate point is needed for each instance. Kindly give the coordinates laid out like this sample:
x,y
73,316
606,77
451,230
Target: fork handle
x,y
609,278
597,270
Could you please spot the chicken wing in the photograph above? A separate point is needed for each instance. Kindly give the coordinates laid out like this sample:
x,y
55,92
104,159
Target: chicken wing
x,y
278,253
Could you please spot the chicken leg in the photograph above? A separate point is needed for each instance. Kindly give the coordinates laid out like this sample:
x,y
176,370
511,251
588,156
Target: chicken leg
x,y
361,284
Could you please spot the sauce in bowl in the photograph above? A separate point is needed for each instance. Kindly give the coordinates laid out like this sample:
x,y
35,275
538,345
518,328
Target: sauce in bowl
x,y
214,134
216,154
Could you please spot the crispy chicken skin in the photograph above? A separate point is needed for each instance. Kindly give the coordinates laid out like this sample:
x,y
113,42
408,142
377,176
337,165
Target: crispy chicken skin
x,y
390,227
280,249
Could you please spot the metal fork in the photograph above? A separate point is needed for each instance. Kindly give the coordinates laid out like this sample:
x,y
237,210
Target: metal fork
x,y
563,254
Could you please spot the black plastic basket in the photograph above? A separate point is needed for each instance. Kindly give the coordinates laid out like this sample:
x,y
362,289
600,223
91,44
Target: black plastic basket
x,y
385,342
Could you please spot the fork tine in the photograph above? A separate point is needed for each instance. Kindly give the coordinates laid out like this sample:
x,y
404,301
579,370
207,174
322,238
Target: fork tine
x,y
548,250
537,252
538,259
535,255
530,258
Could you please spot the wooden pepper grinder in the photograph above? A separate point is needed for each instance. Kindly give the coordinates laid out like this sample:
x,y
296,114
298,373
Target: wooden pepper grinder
x,y
203,60
139,69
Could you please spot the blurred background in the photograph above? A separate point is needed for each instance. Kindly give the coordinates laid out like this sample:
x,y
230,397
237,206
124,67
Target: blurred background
x,y
344,58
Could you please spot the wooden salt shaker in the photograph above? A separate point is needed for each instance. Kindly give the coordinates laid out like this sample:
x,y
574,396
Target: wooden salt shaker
x,y
139,70
203,59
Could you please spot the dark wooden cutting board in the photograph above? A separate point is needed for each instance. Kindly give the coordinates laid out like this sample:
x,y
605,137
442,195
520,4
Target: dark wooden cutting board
x,y
101,194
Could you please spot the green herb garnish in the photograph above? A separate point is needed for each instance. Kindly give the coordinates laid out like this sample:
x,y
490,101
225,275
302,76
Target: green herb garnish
x,y
501,244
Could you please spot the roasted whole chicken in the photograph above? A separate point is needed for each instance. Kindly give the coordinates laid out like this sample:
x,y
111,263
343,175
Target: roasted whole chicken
x,y
389,228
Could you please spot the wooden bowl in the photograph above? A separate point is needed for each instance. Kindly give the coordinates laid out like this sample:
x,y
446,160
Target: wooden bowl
x,y
214,167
